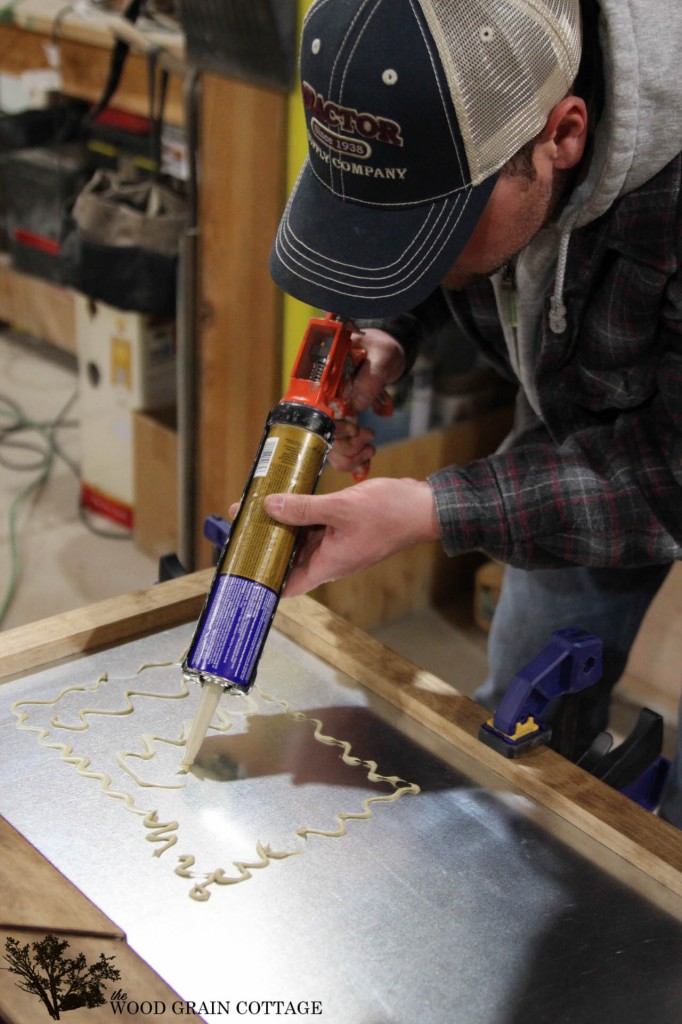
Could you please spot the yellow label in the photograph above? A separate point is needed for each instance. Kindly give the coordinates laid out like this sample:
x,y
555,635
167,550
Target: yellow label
x,y
525,728
260,548
121,364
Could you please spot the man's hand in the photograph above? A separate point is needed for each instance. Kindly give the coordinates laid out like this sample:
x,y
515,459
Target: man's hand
x,y
354,528
384,364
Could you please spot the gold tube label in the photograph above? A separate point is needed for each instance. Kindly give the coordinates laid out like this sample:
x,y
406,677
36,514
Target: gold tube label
x,y
260,549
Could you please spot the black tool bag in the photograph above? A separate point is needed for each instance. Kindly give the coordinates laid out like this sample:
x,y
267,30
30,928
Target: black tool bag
x,y
24,135
122,238
122,243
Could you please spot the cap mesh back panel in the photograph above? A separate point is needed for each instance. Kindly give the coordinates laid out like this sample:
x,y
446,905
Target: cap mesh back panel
x,y
508,62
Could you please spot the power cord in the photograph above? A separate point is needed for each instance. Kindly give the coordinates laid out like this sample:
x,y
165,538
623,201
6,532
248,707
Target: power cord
x,y
20,435
17,422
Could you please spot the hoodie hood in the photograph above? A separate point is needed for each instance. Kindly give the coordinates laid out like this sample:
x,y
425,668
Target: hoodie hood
x,y
640,129
638,133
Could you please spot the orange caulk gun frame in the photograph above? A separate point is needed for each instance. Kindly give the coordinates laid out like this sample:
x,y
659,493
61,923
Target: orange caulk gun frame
x,y
322,376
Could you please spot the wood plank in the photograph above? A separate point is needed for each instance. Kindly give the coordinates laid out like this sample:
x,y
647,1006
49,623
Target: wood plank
x,y
42,898
90,25
22,51
241,197
103,624
84,68
84,71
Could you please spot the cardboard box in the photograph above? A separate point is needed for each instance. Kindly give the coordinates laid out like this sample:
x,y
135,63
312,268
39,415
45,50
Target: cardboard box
x,y
487,585
126,364
156,482
40,308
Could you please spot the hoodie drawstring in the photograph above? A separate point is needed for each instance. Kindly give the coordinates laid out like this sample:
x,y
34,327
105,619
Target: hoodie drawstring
x,y
557,307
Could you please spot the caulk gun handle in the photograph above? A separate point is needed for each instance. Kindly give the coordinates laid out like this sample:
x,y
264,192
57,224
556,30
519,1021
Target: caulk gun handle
x,y
382,406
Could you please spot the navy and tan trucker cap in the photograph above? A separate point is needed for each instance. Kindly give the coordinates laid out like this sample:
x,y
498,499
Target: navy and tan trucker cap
x,y
412,107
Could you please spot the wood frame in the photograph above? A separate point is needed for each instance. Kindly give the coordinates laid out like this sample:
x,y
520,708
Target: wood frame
x,y
638,839
45,902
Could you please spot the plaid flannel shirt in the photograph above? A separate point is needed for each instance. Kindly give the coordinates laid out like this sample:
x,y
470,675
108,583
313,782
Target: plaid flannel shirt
x,y
597,479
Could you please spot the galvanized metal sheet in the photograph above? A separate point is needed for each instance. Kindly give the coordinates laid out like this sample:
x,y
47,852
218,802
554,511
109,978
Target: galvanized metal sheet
x,y
446,904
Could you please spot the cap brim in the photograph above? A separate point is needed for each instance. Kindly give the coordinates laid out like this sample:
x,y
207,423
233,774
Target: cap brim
x,y
361,261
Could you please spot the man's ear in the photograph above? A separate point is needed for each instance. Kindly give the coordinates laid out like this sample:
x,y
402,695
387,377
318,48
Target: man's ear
x,y
564,137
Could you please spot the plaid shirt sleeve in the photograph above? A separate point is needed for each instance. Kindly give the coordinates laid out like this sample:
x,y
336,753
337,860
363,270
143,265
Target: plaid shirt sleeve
x,y
537,506
601,484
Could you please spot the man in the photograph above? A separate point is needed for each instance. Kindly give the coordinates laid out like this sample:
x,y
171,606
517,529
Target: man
x,y
500,163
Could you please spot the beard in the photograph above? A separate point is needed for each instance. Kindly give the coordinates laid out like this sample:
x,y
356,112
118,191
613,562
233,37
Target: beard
x,y
491,246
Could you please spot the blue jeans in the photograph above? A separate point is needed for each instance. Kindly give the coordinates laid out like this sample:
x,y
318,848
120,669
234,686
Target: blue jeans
x,y
610,604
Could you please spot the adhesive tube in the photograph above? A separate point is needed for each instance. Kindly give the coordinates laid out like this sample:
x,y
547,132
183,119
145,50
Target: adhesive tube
x,y
243,597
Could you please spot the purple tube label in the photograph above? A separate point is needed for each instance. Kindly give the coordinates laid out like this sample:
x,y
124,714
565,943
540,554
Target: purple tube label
x,y
232,634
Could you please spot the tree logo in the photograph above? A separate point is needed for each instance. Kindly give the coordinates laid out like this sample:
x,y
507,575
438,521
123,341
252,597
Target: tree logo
x,y
61,983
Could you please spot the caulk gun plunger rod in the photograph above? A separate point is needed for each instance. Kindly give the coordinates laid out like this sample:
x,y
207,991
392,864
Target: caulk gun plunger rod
x,y
210,695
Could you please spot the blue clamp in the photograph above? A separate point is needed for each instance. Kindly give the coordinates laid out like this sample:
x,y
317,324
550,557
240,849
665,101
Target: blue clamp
x,y
569,664
217,530
636,766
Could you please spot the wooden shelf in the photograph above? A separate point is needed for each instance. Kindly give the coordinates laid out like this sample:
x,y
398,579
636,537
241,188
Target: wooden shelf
x,y
37,307
84,56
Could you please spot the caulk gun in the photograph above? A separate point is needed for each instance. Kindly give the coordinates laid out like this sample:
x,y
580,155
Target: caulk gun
x,y
252,568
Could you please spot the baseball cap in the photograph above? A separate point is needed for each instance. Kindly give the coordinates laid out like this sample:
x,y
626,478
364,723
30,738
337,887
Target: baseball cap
x,y
412,107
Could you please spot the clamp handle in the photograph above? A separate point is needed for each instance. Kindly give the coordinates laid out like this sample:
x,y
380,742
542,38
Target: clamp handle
x,y
636,766
569,664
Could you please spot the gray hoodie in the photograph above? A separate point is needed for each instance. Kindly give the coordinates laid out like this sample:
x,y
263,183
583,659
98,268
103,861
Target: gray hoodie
x,y
639,132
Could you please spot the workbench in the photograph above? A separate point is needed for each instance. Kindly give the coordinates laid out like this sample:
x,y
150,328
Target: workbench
x,y
401,871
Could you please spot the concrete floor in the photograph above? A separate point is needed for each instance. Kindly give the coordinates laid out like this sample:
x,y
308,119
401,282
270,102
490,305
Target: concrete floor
x,y
60,561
